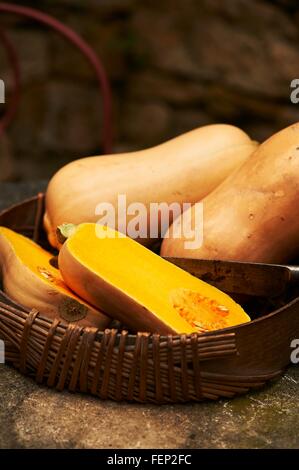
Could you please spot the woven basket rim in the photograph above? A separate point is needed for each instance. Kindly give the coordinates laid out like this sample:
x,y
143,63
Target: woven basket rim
x,y
164,337
141,367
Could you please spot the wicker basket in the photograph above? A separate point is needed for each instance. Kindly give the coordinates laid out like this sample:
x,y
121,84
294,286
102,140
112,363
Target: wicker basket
x,y
144,368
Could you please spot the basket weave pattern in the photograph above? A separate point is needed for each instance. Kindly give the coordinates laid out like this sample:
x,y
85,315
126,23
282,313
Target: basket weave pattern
x,y
120,366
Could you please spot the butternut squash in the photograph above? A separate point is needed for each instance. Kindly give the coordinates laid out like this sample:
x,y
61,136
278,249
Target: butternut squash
x,y
29,278
139,288
184,169
254,214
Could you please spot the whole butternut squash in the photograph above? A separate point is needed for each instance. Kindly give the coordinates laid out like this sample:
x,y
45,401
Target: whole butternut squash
x,y
254,214
142,290
29,278
184,169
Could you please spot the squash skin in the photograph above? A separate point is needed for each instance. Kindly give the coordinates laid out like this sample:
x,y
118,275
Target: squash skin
x,y
145,293
184,169
25,287
254,214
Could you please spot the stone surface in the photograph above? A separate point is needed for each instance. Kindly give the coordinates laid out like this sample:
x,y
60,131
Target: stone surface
x,y
32,416
147,122
172,65
7,163
12,193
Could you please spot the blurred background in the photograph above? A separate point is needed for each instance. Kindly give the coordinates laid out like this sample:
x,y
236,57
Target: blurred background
x,y
172,65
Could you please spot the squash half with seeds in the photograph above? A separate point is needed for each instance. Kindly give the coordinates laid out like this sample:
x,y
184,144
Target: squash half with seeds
x,y
139,288
29,278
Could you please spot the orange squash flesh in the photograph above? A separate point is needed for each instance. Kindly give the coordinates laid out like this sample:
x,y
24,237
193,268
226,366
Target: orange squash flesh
x,y
30,279
145,292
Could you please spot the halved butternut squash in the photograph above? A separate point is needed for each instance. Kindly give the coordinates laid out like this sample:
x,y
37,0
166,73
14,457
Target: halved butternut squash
x,y
30,279
142,290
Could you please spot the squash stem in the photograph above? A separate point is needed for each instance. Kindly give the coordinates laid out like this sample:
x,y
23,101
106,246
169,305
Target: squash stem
x,y
65,231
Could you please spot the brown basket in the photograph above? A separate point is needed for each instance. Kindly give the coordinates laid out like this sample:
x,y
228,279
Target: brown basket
x,y
142,367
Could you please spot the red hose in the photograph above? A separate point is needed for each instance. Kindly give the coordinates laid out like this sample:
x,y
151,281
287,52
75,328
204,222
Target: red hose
x,y
87,51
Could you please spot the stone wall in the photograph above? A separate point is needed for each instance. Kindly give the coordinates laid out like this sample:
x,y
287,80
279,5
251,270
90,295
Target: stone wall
x,y
174,65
